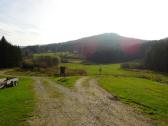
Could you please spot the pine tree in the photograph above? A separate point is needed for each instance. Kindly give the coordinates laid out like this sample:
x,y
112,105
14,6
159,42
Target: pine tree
x,y
10,56
157,56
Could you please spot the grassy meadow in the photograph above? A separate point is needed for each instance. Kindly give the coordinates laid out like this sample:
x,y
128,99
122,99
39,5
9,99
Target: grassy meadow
x,y
16,103
116,70
150,96
144,89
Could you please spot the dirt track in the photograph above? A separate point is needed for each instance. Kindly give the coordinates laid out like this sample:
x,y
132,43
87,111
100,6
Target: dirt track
x,y
85,105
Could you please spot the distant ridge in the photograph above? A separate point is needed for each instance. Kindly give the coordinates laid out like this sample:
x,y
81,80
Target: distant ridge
x,y
110,38
90,46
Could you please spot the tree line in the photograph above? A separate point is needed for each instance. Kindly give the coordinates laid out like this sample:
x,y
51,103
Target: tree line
x,y
157,56
96,49
10,56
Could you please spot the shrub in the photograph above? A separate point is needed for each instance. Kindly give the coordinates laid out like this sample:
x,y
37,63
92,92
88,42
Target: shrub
x,y
42,64
75,72
46,61
132,66
125,66
27,64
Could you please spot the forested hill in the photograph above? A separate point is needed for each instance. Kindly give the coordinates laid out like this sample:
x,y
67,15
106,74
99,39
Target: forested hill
x,y
104,40
116,47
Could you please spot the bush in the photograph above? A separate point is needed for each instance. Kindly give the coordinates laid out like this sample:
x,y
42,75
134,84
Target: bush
x,y
132,66
75,72
63,60
125,66
27,64
46,61
42,64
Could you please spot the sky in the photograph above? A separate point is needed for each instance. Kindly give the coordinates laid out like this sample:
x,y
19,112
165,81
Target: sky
x,y
30,22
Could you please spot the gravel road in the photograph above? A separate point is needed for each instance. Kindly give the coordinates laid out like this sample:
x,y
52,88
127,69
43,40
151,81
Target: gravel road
x,y
85,105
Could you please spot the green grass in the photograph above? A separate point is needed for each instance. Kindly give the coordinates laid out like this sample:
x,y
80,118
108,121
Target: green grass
x,y
16,103
44,54
115,70
66,81
150,96
68,54
147,90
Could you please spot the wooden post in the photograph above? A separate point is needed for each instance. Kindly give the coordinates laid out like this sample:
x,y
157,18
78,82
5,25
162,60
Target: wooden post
x,y
62,71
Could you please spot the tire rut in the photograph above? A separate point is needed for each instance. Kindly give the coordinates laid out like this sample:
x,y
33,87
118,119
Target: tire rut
x,y
49,110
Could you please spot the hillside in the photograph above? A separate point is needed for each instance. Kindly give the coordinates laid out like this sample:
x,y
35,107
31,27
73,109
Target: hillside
x,y
117,47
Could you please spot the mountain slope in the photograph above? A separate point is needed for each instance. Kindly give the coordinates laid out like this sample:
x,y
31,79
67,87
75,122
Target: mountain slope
x,y
108,45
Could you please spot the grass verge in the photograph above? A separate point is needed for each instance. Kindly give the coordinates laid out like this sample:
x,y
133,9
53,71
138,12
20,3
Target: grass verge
x,y
66,81
149,96
16,103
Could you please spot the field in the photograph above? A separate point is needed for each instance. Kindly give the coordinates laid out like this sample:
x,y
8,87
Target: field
x,y
148,95
115,70
17,103
144,90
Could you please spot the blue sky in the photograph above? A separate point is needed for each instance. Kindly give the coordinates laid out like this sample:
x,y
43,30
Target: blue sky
x,y
28,22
